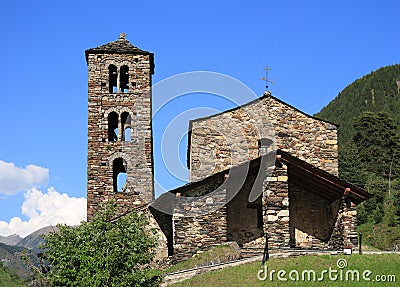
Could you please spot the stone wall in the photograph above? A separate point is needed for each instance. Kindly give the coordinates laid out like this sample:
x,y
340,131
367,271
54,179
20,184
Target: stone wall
x,y
192,234
276,208
230,138
244,218
161,253
349,220
345,230
312,218
136,153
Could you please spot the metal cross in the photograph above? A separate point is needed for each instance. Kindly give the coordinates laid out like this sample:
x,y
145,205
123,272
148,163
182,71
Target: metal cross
x,y
266,77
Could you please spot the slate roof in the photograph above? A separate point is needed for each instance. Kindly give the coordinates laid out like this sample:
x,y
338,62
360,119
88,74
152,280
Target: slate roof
x,y
321,182
266,94
307,176
121,46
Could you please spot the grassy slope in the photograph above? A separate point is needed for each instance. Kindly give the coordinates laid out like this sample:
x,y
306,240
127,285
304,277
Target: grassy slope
x,y
9,280
217,254
246,275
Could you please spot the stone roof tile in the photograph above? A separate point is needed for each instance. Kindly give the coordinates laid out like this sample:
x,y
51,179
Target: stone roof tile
x,y
121,46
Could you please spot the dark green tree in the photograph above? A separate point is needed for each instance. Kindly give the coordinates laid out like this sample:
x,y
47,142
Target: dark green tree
x,y
103,252
391,207
372,209
367,112
390,210
356,98
351,168
377,140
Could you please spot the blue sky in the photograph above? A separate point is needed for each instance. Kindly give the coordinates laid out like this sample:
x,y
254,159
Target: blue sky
x,y
314,48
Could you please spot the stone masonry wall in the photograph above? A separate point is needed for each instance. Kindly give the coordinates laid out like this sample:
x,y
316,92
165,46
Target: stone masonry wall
x,y
230,138
349,219
137,153
244,219
276,208
161,253
312,218
345,230
198,232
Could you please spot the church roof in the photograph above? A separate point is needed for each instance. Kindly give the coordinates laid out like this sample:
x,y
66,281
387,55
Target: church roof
x,y
264,96
301,173
121,46
321,182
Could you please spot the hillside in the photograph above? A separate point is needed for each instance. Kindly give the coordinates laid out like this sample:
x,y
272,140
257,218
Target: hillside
x,y
10,258
367,112
375,92
10,240
33,240
10,253
8,279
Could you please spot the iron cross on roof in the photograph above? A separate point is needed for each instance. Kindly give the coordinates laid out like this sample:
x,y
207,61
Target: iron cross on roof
x,y
266,77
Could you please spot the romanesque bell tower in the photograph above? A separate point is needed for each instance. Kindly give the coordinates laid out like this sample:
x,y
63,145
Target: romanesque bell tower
x,y
120,159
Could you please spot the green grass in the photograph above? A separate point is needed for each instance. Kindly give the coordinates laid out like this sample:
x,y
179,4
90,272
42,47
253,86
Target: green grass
x,y
246,275
369,248
380,235
220,253
8,279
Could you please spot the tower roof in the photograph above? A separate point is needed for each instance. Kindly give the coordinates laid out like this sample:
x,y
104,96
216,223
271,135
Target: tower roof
x,y
121,46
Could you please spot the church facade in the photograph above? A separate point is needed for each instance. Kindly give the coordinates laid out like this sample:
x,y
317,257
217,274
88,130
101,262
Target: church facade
x,y
261,170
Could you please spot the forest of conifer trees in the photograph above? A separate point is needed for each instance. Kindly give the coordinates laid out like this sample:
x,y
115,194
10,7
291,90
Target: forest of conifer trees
x,y
367,112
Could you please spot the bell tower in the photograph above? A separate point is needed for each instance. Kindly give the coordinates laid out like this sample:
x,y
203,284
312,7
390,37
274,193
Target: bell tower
x,y
120,156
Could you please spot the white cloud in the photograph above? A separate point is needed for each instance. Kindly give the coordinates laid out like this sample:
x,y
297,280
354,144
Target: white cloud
x,y
44,209
14,179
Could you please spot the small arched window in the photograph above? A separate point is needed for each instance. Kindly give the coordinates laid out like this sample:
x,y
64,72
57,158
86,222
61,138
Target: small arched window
x,y
113,79
126,126
124,79
112,127
119,174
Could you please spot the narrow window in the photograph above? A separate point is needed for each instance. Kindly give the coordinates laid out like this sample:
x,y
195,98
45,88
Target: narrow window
x,y
263,145
127,135
121,181
119,175
113,79
112,127
124,79
126,126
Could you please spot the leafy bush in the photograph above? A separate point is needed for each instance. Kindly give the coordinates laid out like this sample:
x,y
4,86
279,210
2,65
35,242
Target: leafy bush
x,y
103,252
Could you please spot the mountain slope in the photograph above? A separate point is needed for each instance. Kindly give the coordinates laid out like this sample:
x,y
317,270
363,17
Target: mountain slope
x,y
10,258
378,91
368,112
10,240
10,254
33,240
8,279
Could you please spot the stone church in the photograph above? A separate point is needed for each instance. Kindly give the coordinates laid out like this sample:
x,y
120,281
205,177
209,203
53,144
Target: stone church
x,y
263,169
